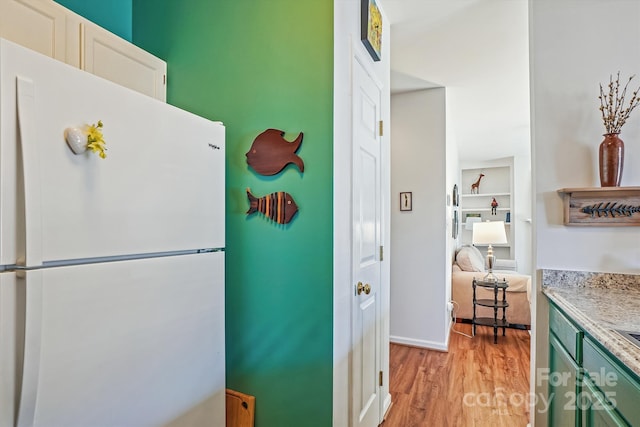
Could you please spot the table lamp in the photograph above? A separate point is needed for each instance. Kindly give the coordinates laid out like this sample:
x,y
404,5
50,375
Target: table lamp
x,y
489,233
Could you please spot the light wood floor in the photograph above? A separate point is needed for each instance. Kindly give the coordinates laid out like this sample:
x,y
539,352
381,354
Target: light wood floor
x,y
475,384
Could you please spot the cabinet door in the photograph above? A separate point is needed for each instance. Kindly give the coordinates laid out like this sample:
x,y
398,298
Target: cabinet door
x,y
596,412
108,56
563,386
612,380
36,24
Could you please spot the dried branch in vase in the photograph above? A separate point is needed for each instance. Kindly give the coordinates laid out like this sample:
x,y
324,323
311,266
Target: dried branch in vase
x,y
614,113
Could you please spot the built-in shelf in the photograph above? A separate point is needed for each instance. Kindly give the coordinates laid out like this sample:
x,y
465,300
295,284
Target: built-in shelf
x,y
495,182
483,209
506,224
485,195
601,206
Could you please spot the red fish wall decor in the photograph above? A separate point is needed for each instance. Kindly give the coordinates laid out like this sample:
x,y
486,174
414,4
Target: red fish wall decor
x,y
270,152
279,207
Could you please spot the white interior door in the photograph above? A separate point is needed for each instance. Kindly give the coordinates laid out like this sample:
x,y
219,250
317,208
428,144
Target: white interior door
x,y
366,309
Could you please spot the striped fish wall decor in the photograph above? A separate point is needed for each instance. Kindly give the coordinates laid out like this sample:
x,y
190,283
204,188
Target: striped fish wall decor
x,y
279,207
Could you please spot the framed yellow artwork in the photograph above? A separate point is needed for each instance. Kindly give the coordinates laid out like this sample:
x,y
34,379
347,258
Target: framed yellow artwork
x,y
371,28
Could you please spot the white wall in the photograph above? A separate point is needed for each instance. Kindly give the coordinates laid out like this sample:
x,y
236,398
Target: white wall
x,y
419,238
347,44
567,69
575,45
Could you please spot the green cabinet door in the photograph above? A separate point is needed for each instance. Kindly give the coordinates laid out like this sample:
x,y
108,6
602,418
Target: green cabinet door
x,y
596,412
615,383
563,386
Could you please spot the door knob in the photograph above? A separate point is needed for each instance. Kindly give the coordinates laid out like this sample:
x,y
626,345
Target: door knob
x,y
363,288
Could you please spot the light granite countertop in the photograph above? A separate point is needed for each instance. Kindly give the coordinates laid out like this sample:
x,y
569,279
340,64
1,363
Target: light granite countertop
x,y
600,303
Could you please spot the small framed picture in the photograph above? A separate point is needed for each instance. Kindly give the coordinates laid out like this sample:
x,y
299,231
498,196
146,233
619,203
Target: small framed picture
x,y
405,201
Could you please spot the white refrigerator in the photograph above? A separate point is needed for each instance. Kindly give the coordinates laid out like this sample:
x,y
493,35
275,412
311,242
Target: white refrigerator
x,y
111,270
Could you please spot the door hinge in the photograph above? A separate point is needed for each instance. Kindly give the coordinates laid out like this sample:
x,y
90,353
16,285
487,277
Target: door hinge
x,y
381,376
164,79
381,123
381,253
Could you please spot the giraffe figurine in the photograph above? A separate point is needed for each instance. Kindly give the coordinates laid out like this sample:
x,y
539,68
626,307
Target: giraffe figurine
x,y
475,187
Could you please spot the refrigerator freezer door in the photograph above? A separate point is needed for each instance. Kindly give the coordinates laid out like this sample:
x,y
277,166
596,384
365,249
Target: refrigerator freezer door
x,y
127,343
160,188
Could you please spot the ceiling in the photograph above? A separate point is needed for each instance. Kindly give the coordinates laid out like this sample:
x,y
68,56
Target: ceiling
x,y
479,51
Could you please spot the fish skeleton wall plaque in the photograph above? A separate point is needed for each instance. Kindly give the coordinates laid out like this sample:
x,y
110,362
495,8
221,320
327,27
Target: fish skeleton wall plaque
x,y
279,207
270,152
598,206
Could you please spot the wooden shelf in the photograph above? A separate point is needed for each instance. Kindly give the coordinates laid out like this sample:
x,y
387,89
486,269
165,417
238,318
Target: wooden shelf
x,y
601,206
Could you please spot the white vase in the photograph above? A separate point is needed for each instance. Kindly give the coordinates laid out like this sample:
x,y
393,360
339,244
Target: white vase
x,y
76,140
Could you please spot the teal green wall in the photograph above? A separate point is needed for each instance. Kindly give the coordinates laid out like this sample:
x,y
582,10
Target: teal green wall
x,y
256,65
114,15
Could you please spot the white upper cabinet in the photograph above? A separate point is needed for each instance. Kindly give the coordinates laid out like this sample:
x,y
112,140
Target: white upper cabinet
x,y
37,24
104,54
49,28
117,60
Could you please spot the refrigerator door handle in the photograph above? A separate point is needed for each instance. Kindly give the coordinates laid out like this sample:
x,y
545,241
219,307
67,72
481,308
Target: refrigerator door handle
x,y
26,100
28,390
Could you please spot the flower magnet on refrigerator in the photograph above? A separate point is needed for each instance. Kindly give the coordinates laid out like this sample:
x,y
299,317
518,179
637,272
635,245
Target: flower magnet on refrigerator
x,y
91,138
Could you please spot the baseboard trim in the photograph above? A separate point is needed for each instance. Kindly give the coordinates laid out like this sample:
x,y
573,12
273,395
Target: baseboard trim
x,y
433,345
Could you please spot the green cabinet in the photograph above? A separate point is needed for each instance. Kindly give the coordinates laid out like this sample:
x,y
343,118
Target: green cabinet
x,y
596,410
567,333
588,386
613,380
565,373
563,385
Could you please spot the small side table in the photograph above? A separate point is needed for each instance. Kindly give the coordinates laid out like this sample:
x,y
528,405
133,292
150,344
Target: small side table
x,y
494,303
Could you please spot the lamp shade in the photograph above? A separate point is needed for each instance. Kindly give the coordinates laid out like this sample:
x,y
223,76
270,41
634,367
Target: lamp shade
x,y
489,233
